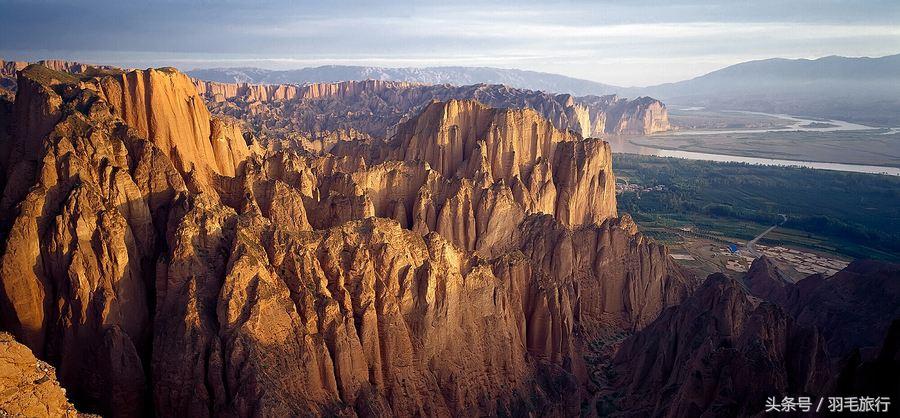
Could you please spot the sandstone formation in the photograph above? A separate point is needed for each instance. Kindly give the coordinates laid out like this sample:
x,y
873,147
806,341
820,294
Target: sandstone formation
x,y
434,175
9,68
276,92
162,264
28,386
80,241
640,116
413,257
162,106
373,107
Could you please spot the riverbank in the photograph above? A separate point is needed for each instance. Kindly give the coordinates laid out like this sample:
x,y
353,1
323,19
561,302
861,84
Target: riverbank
x,y
774,140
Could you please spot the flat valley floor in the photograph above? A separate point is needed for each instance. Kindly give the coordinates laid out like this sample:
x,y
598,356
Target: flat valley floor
x,y
720,132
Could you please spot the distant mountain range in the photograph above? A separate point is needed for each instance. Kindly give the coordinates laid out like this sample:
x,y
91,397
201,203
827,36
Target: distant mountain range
x,y
863,90
459,76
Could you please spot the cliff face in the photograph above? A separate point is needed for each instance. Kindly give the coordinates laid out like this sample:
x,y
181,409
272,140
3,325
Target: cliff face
x,y
378,105
9,68
163,106
8,73
472,173
643,115
374,107
458,267
383,320
82,203
545,170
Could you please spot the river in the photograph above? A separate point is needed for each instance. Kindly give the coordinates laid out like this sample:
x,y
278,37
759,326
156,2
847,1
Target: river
x,y
624,145
795,123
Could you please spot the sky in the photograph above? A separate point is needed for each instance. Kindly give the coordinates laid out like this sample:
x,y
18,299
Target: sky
x,y
626,43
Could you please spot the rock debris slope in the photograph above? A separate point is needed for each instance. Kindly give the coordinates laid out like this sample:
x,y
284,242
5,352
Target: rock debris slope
x,y
28,386
166,265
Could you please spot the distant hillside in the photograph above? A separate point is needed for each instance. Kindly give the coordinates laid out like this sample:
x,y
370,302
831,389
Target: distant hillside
x,y
459,76
865,90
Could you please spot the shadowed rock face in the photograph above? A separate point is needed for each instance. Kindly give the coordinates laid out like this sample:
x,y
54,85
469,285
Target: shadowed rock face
x,y
720,353
879,375
162,264
8,70
723,351
854,308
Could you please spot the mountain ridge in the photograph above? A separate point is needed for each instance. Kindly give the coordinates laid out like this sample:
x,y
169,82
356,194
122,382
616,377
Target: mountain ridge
x,y
863,90
455,75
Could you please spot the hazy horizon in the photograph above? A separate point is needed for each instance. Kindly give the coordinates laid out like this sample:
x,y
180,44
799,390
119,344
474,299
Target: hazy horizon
x,y
636,44
286,64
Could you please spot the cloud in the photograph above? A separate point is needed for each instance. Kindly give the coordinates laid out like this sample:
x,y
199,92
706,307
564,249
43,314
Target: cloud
x,y
637,42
